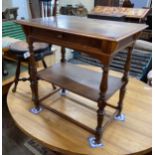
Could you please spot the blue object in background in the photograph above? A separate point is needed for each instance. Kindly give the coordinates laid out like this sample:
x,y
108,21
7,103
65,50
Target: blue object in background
x,y
141,3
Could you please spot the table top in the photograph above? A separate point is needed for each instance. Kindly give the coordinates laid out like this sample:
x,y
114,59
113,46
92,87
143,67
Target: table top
x,y
132,136
128,12
93,28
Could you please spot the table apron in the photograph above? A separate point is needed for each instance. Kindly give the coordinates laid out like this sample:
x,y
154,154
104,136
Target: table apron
x,y
91,46
97,48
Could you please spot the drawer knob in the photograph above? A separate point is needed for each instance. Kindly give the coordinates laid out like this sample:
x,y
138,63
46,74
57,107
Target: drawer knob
x,y
59,36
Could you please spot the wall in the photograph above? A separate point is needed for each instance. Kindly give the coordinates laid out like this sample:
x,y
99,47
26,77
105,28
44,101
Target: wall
x,y
23,10
6,4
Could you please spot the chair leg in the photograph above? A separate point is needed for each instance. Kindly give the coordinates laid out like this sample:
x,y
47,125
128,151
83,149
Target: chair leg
x,y
44,63
17,75
45,66
30,80
4,71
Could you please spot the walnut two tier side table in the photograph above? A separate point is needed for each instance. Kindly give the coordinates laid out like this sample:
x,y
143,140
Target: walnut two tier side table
x,y
99,39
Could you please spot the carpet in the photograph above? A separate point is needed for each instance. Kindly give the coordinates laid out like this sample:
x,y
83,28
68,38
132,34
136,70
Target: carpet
x,y
38,149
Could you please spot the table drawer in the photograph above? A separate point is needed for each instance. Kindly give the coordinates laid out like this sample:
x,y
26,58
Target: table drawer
x,y
68,40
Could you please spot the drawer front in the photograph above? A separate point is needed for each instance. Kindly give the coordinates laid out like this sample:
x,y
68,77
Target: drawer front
x,y
73,41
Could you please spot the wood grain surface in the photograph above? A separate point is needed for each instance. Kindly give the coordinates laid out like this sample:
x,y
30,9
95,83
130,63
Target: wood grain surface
x,y
134,136
128,12
92,28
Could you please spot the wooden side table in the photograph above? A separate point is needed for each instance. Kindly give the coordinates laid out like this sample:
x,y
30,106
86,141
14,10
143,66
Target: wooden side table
x,y
100,39
133,136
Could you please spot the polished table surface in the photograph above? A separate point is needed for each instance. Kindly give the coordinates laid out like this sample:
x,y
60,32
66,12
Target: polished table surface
x,y
99,38
129,137
85,27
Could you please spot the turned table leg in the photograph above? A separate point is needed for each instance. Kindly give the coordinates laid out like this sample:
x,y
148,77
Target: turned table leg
x,y
33,79
102,104
96,141
63,51
63,60
123,88
100,119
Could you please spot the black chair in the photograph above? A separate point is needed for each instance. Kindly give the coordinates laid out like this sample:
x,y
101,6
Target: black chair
x,y
20,49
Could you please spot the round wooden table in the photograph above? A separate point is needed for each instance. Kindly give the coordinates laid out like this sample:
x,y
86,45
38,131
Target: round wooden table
x,y
133,136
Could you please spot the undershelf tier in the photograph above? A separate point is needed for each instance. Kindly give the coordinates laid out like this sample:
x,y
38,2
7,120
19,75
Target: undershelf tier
x,y
79,80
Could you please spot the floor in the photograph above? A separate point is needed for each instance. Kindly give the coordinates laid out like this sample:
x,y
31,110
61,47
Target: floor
x,y
12,138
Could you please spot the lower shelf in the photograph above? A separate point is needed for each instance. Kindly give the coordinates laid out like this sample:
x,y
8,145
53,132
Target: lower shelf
x,y
81,81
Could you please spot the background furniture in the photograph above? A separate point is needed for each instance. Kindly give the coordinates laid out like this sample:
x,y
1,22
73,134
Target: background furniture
x,y
16,51
9,28
106,2
128,4
141,61
60,135
142,56
99,13
130,14
42,8
4,70
20,49
149,78
142,3
78,10
10,13
15,31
